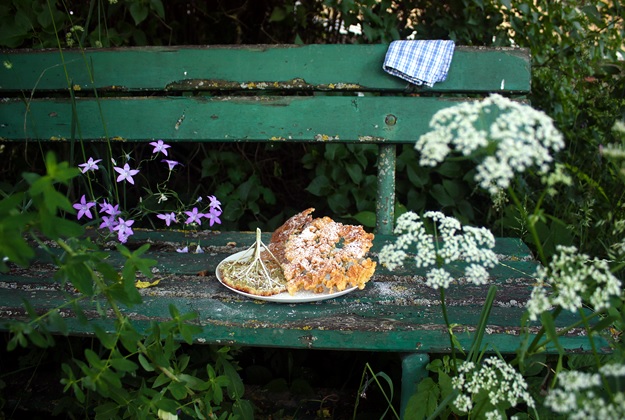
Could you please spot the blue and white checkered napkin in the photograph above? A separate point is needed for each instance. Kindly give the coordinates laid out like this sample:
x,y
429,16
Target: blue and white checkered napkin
x,y
419,62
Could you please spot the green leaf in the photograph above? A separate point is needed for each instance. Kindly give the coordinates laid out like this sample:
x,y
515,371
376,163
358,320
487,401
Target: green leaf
x,y
39,184
178,390
319,186
22,20
249,191
79,274
64,173
243,409
93,359
355,172
122,364
187,332
13,245
108,340
193,382
57,322
108,410
235,384
339,203
161,380
452,188
10,204
145,364
476,345
40,339
550,329
68,228
417,175
423,403
128,335
278,14
441,196
139,11
12,35
269,196
157,6
365,218
445,384
450,170
113,382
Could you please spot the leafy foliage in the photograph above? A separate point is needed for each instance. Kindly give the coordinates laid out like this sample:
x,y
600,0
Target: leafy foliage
x,y
128,373
577,79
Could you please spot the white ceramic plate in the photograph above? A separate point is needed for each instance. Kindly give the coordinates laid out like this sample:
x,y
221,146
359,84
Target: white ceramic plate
x,y
284,297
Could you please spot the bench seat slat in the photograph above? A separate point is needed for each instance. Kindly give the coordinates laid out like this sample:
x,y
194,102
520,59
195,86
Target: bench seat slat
x,y
321,67
333,324
395,311
258,119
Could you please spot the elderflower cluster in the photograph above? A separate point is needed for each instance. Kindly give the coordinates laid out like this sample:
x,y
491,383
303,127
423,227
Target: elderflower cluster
x,y
73,32
520,136
504,386
580,396
450,242
573,278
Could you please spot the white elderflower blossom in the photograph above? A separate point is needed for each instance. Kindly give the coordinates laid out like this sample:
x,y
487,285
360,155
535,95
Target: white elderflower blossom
x,y
613,369
580,395
493,415
504,386
574,277
450,242
619,127
555,177
438,277
520,136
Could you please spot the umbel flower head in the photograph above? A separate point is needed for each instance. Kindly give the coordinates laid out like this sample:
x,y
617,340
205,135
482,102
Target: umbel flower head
x,y
492,385
510,136
579,395
573,278
449,242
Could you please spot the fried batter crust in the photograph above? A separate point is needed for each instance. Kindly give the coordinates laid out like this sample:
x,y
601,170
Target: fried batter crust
x,y
322,255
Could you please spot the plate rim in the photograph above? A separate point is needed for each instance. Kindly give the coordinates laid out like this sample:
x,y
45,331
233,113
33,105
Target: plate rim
x,y
283,297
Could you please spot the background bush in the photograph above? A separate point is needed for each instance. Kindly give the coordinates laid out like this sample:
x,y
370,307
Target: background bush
x,y
577,80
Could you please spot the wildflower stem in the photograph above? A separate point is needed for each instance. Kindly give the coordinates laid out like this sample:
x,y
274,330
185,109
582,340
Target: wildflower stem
x,y
593,347
584,321
451,340
481,327
558,370
534,345
531,226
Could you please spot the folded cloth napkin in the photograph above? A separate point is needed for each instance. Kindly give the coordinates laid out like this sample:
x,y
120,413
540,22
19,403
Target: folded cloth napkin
x,y
419,62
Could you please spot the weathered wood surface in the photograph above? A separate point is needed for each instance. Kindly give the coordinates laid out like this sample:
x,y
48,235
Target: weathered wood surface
x,y
203,93
395,312
260,119
252,67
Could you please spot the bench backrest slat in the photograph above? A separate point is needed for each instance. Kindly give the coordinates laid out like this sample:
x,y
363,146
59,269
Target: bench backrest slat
x,y
322,67
313,93
259,119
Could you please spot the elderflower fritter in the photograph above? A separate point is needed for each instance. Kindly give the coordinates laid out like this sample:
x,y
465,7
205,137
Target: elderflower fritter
x,y
580,395
574,277
450,242
504,386
520,136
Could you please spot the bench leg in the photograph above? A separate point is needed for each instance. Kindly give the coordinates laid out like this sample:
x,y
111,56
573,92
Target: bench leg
x,y
385,202
412,372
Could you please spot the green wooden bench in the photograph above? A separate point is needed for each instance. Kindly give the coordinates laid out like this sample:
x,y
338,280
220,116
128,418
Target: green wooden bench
x,y
268,94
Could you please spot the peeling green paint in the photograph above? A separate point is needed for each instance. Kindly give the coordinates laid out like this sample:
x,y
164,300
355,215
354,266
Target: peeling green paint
x,y
291,84
372,139
325,137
